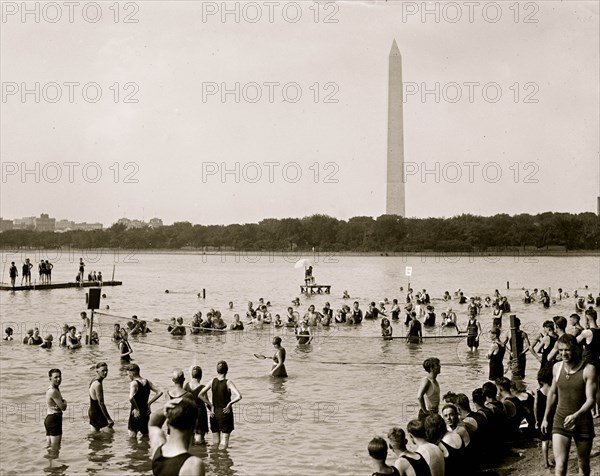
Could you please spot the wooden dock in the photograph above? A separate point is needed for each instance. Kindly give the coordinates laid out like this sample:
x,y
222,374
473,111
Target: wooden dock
x,y
40,287
315,288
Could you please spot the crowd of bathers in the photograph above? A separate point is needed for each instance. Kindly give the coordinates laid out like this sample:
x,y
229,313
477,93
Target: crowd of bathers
x,y
462,435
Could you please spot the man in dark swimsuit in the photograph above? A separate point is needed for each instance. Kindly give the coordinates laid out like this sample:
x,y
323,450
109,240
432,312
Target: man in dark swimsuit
x,y
56,406
224,395
100,420
13,273
573,393
26,272
170,455
139,393
414,335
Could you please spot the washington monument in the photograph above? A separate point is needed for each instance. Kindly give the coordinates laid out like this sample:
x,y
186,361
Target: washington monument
x,y
395,201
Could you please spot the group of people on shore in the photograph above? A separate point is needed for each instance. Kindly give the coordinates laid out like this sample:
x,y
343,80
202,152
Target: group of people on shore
x,y
455,435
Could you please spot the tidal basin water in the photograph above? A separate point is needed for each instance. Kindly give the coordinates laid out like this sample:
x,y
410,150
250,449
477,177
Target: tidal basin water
x,y
319,420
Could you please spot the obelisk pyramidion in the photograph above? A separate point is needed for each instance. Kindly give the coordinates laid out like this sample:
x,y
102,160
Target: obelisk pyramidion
x,y
395,200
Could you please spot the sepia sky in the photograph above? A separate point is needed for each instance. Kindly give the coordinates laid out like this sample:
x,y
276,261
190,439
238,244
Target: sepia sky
x,y
279,109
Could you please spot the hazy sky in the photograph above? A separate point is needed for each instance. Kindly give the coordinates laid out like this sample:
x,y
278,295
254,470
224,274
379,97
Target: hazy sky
x,y
510,123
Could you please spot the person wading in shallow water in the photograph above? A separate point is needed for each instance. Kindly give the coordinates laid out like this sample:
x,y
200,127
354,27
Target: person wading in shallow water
x,y
278,369
224,395
428,395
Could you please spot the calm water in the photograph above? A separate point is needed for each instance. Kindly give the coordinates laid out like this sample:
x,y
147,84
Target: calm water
x,y
318,421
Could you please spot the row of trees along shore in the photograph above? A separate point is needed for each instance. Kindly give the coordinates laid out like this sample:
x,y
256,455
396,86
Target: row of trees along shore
x,y
387,233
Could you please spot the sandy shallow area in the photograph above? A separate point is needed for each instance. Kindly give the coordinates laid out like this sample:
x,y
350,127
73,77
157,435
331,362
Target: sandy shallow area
x,y
530,460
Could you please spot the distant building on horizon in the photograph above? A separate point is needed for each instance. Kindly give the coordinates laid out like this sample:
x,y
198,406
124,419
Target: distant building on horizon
x,y
395,193
155,223
5,225
44,223
25,223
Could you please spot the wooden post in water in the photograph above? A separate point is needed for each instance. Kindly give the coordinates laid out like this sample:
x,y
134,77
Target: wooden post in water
x,y
113,275
514,351
507,285
89,337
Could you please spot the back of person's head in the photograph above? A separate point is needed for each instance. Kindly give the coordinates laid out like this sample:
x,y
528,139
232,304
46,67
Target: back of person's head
x,y
416,428
183,415
462,402
548,325
197,372
435,427
478,397
495,331
489,390
378,449
431,362
561,322
222,367
397,437
518,385
503,383
449,397
178,377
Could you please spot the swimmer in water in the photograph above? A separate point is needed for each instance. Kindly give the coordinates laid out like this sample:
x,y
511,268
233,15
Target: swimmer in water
x,y
278,369
303,334
386,328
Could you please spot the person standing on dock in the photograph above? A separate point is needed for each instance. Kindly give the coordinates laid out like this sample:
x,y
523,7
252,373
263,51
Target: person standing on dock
x,y
81,269
26,271
13,273
49,267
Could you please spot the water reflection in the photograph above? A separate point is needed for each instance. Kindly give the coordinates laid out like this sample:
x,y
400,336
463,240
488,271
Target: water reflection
x,y
277,385
55,466
138,455
100,445
219,463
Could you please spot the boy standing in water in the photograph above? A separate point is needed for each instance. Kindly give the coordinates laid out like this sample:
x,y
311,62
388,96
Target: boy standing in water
x,y
429,390
56,406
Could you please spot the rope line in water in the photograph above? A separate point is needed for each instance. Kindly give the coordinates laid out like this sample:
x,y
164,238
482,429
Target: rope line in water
x,y
321,334
408,364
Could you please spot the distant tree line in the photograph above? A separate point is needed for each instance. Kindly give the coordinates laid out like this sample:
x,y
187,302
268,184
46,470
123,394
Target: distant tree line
x,y
387,233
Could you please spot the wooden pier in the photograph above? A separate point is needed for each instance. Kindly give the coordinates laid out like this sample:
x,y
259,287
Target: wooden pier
x,y
315,288
40,287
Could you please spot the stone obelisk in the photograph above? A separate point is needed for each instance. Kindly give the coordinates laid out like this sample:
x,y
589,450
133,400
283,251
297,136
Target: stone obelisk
x,y
395,200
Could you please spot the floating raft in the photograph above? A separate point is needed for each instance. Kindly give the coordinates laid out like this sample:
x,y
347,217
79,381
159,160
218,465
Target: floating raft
x,y
39,287
315,288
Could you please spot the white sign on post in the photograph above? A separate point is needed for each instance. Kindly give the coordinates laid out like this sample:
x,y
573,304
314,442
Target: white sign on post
x,y
408,271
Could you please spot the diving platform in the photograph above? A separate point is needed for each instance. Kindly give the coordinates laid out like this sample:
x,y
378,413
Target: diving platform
x,y
315,288
40,287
